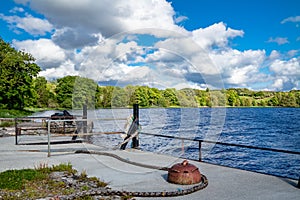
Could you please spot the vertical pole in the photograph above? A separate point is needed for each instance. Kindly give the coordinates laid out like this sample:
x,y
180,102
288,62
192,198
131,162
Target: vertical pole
x,y
135,140
298,182
84,116
182,146
16,130
49,122
200,154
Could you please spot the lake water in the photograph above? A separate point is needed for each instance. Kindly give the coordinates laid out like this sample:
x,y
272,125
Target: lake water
x,y
277,128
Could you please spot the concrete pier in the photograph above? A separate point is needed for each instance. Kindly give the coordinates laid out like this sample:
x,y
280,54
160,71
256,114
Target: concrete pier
x,y
224,182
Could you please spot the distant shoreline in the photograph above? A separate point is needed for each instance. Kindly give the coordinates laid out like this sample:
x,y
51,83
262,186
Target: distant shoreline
x,y
35,110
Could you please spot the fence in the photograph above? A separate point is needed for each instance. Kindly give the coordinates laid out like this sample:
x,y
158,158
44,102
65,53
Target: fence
x,y
76,133
85,121
200,141
29,124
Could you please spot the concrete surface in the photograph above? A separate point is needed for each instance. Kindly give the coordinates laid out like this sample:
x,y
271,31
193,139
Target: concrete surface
x,y
224,183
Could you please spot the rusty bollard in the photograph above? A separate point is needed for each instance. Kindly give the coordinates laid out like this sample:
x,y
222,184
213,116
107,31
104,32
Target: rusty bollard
x,y
184,173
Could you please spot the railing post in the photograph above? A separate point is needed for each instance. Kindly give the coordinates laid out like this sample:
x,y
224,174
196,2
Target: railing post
x,y
200,153
49,122
84,116
16,131
135,140
298,182
182,146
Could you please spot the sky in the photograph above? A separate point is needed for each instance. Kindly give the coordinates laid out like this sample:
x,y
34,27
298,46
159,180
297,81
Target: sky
x,y
161,43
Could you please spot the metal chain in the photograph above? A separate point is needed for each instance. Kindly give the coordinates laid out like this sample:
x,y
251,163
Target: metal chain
x,y
95,192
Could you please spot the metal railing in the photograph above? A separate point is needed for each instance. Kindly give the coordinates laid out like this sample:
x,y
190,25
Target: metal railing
x,y
221,143
200,141
18,128
78,134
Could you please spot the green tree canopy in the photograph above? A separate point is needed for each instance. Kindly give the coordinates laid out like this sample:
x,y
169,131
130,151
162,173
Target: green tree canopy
x,y
17,70
44,96
75,91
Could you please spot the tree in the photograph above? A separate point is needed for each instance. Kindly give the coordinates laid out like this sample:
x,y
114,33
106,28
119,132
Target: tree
x,y
104,96
171,97
84,92
119,97
141,96
17,70
64,91
187,98
232,97
154,97
75,91
44,95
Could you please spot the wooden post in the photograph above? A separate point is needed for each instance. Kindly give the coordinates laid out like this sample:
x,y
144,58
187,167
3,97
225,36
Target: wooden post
x,y
135,140
200,154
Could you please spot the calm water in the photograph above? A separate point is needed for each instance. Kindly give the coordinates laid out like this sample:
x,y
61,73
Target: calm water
x,y
277,128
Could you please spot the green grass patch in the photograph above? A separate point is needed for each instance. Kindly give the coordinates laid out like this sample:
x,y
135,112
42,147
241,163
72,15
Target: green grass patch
x,y
7,124
37,183
15,179
5,113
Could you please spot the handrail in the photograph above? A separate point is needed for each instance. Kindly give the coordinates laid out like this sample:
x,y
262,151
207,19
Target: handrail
x,y
224,143
75,120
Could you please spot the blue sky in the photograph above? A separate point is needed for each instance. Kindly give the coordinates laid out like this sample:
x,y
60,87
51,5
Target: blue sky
x,y
260,20
210,43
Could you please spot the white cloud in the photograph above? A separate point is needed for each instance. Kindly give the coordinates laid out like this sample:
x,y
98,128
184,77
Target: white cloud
x,y
215,35
17,9
107,17
278,84
32,25
286,74
292,53
70,38
180,19
67,68
291,19
97,40
274,55
47,54
239,68
279,40
288,68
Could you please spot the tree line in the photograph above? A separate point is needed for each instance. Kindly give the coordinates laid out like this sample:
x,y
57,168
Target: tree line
x,y
21,87
75,91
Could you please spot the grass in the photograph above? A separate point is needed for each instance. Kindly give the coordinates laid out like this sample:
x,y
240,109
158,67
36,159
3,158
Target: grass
x,y
37,183
6,113
7,124
16,179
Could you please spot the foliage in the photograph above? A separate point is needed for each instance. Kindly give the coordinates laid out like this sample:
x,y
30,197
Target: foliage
x,y
21,88
17,70
5,113
7,124
75,91
44,96
110,96
37,183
